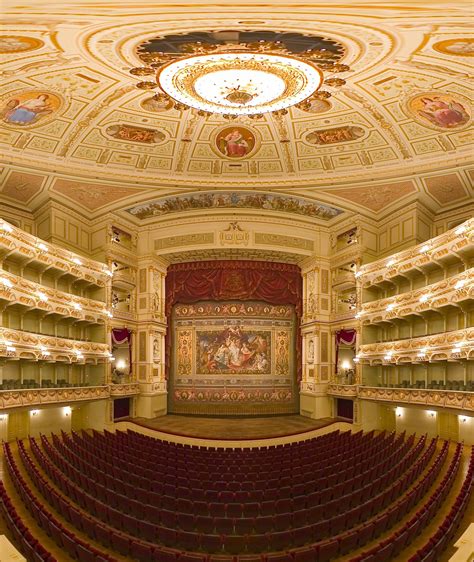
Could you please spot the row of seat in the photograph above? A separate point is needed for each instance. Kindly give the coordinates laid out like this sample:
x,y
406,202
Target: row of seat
x,y
30,546
104,507
432,549
68,540
189,499
324,550
394,544
154,480
155,466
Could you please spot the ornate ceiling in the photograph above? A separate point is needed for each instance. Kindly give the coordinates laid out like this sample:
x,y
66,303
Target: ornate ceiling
x,y
74,127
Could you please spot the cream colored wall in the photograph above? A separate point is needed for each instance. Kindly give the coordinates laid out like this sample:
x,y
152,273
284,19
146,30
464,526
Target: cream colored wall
x,y
49,420
407,227
60,225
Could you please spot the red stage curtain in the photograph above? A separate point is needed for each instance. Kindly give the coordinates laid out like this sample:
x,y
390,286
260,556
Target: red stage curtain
x,y
275,283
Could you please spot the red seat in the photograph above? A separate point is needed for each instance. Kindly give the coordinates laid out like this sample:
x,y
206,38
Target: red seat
x,y
328,550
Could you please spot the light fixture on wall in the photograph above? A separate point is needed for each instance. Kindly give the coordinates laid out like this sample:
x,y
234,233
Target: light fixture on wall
x,y
42,296
77,261
424,298
463,419
390,307
425,248
120,364
3,417
42,247
34,412
460,230
431,413
391,262
398,412
6,282
460,284
67,411
240,79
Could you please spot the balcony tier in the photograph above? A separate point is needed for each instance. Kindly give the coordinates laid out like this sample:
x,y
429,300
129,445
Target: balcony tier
x,y
459,400
28,249
454,245
457,292
17,344
28,295
446,346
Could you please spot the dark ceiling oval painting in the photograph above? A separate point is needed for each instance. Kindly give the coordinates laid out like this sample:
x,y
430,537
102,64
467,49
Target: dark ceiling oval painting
x,y
295,43
234,200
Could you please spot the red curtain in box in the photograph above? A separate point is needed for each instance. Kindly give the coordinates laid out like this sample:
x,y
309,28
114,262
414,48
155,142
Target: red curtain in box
x,y
275,283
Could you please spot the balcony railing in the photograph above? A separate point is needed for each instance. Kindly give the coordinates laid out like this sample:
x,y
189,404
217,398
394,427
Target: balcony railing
x,y
29,248
453,292
124,389
420,396
33,397
460,400
17,344
446,346
17,291
457,243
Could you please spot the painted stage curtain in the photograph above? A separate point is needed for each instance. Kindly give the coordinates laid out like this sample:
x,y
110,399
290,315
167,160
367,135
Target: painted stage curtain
x,y
344,337
274,283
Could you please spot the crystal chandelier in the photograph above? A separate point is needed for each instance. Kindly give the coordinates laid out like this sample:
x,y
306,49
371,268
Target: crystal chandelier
x,y
240,79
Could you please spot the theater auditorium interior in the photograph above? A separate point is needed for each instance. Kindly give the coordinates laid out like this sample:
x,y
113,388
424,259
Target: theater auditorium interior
x,y
237,281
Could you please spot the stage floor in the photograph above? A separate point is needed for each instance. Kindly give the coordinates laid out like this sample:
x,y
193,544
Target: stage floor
x,y
261,427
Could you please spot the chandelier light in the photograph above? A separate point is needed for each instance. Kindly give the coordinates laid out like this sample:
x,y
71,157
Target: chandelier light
x,y
240,79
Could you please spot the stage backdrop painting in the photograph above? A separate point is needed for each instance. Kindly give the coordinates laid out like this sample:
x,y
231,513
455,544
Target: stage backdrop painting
x,y
233,357
234,346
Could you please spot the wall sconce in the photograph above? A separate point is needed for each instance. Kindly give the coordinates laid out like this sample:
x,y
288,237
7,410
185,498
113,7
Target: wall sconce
x,y
120,365
398,412
3,417
34,412
42,247
431,413
67,410
463,419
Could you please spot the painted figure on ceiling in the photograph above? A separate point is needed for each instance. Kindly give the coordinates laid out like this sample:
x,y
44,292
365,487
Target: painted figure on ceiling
x,y
28,111
235,144
446,114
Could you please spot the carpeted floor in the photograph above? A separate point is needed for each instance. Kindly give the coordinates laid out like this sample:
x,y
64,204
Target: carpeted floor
x,y
261,427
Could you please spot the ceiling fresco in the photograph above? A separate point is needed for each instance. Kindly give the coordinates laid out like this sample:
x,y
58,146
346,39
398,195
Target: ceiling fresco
x,y
399,128
234,200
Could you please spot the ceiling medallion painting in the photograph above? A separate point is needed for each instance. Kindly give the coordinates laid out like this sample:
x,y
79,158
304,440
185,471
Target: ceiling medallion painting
x,y
234,73
30,108
441,110
18,44
462,47
234,200
235,142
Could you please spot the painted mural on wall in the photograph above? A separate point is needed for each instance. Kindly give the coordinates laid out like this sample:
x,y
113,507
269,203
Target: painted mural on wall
x,y
444,111
234,200
462,46
18,44
28,108
335,135
235,142
135,134
233,350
